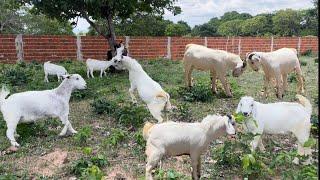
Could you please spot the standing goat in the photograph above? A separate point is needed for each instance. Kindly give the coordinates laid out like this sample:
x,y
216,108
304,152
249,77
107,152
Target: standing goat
x,y
218,62
96,65
277,65
175,139
30,106
277,118
53,69
150,91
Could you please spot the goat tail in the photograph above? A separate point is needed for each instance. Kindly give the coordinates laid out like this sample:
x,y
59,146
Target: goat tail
x,y
3,94
164,97
305,103
146,130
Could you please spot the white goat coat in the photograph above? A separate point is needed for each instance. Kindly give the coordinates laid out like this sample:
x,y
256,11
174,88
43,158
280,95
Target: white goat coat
x,y
279,118
53,69
277,65
149,90
218,62
97,65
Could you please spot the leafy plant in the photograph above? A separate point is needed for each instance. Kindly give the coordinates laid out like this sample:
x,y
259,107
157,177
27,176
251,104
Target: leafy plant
x,y
253,166
102,105
92,172
170,174
199,92
308,53
132,115
116,137
16,76
303,63
83,135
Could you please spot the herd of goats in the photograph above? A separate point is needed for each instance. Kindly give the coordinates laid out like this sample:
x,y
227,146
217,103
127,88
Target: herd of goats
x,y
178,138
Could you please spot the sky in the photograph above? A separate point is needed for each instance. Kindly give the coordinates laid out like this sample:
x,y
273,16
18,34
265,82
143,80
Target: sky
x,y
196,12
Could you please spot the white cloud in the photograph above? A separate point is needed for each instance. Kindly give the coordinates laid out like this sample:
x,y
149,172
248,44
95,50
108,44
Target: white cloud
x,y
196,12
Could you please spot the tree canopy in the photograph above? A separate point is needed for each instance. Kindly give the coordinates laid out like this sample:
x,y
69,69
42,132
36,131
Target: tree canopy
x,y
108,11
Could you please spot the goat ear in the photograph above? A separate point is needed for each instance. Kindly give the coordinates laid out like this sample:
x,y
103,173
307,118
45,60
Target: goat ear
x,y
250,56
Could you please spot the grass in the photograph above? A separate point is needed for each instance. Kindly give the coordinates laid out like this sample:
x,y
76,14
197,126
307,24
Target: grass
x,y
110,126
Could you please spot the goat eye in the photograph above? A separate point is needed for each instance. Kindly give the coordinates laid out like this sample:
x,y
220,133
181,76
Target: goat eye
x,y
251,105
77,78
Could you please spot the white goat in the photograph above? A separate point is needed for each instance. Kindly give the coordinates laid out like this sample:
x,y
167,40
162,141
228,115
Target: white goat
x,y
175,139
277,65
277,118
149,91
97,65
32,105
218,62
53,69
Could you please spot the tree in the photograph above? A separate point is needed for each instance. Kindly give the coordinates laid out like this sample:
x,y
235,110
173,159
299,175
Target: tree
x,y
207,29
255,26
230,28
107,10
41,25
286,22
233,15
179,29
10,20
136,26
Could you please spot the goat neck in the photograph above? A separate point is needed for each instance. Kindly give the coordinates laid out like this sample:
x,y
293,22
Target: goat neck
x,y
64,89
213,128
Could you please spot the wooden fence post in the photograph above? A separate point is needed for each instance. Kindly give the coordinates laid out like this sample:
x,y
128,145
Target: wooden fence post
x,y
169,48
205,41
19,47
79,53
127,43
271,45
299,45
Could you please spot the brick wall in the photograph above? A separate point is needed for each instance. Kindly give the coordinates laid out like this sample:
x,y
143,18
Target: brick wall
x,y
56,48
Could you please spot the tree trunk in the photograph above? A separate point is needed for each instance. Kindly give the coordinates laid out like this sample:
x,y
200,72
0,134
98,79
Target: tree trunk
x,y
111,34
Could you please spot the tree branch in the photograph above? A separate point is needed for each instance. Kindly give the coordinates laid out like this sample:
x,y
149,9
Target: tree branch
x,y
95,26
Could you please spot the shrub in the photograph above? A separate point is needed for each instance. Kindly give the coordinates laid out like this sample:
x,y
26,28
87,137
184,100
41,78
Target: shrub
x,y
102,105
236,90
308,52
116,137
16,76
89,167
83,135
199,92
292,78
132,115
303,63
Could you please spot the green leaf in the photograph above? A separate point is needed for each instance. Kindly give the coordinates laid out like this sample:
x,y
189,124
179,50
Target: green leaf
x,y
87,150
311,142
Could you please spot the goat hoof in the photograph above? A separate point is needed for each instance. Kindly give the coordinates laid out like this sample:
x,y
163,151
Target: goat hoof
x,y
15,144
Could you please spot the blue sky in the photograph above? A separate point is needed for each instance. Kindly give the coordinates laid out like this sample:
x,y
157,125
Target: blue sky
x,y
196,12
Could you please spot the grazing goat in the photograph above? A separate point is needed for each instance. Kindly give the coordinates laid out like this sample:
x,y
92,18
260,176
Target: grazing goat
x,y
32,105
175,139
149,91
96,65
53,69
216,61
109,55
277,65
277,118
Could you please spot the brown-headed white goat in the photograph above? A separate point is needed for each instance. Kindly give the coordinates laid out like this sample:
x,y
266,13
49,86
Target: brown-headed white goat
x,y
277,65
218,62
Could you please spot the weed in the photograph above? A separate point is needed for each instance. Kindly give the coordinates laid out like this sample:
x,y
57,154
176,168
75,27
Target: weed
x,y
102,105
303,63
292,78
199,92
16,76
115,138
308,53
132,115
170,174
83,135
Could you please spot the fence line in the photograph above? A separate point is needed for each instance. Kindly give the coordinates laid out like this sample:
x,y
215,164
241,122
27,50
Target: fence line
x,y
15,48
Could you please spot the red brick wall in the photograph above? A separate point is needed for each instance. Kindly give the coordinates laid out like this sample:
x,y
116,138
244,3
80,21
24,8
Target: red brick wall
x,y
56,48
49,48
7,49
